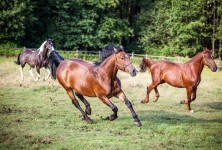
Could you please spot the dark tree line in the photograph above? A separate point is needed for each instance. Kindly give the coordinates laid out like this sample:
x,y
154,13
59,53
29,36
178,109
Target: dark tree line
x,y
160,27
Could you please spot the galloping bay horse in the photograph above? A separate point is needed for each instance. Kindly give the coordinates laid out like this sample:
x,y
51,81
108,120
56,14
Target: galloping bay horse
x,y
35,58
81,78
186,75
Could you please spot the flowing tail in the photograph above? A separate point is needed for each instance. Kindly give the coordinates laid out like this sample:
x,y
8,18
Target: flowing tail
x,y
18,59
54,61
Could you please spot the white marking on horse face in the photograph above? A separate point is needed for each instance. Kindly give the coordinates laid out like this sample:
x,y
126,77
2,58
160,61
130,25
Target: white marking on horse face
x,y
52,48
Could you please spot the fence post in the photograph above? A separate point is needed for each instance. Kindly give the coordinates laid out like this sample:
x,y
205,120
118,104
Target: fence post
x,y
77,53
132,55
99,55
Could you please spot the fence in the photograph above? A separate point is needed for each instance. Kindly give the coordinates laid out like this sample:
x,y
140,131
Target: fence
x,y
95,56
135,58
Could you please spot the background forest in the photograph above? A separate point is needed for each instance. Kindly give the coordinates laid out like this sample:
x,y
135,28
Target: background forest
x,y
156,27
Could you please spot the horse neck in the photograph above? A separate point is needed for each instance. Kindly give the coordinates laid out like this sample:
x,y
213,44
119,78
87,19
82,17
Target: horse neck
x,y
43,54
197,62
109,66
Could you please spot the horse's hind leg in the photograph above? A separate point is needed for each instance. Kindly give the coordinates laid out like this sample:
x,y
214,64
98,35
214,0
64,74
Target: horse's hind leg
x,y
149,89
88,108
106,101
123,98
21,71
76,103
157,95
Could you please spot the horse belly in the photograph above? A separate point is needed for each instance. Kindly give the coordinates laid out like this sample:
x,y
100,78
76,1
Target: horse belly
x,y
30,59
83,89
80,81
174,79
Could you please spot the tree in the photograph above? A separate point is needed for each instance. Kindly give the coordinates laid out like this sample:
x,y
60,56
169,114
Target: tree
x,y
13,16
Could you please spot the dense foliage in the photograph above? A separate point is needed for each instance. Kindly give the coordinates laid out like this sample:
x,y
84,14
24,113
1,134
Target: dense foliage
x,y
160,27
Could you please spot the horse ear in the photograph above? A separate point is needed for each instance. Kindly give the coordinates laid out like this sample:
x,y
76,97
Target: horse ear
x,y
115,50
207,50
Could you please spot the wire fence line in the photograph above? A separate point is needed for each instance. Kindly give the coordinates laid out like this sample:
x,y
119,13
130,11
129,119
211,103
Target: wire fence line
x,y
95,56
135,58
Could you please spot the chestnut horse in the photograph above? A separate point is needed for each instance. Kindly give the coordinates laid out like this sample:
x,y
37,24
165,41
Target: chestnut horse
x,y
35,58
186,75
95,80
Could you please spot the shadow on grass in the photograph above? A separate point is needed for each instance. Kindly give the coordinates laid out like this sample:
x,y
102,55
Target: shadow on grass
x,y
215,105
162,116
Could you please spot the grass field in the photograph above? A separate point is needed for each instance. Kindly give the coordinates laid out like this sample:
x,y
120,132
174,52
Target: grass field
x,y
41,116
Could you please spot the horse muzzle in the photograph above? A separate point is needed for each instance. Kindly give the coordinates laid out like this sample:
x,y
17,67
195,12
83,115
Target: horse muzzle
x,y
214,69
133,72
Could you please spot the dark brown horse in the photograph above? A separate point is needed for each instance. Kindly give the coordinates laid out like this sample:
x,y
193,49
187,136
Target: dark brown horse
x,y
186,75
35,58
95,80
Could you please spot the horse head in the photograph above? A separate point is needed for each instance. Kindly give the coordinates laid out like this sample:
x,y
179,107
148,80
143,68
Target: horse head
x,y
143,65
123,61
47,45
208,60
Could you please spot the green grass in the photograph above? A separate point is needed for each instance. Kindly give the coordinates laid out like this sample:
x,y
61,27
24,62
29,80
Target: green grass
x,y
41,116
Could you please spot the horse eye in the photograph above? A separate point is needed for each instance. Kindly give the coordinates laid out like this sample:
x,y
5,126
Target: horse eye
x,y
122,58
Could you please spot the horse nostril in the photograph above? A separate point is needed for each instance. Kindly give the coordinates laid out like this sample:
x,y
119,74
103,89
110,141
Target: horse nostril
x,y
134,72
215,69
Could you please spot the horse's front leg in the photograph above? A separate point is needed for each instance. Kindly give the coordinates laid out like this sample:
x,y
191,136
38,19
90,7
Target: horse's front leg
x,y
188,101
194,94
47,77
106,101
38,71
123,98
31,73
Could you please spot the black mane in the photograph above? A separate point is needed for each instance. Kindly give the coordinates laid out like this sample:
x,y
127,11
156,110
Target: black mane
x,y
107,51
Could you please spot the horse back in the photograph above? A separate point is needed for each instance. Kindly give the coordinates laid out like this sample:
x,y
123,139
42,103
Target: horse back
x,y
29,56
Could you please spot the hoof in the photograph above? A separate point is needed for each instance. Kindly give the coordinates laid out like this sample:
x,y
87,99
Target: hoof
x,y
144,101
191,111
88,111
183,102
88,120
138,124
111,118
155,100
35,80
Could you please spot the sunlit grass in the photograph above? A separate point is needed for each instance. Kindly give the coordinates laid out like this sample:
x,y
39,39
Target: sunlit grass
x,y
41,116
